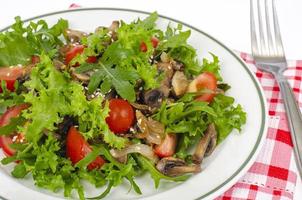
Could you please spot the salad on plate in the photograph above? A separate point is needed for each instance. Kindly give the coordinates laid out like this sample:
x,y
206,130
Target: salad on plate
x,y
109,105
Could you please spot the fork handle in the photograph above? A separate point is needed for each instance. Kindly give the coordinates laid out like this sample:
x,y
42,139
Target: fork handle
x,y
294,118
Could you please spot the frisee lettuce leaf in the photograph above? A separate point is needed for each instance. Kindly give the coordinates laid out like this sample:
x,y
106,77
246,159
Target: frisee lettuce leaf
x,y
52,95
229,116
18,44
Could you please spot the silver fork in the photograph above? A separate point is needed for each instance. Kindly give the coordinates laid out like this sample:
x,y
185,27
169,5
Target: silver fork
x,y
268,53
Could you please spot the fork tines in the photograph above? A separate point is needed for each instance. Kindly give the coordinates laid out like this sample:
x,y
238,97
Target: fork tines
x,y
265,32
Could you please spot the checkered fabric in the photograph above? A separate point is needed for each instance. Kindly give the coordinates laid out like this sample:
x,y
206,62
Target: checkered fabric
x,y
273,175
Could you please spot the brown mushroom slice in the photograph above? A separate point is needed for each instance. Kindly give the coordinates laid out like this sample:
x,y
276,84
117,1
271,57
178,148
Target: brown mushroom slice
x,y
179,83
177,66
82,77
168,71
142,107
203,144
212,143
74,35
142,124
142,149
153,98
114,26
164,57
59,65
151,130
171,166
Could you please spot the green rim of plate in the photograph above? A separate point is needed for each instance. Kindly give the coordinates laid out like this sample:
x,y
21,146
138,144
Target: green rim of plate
x,y
210,37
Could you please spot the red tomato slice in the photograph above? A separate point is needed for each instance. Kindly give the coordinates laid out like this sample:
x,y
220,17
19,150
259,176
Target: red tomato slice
x,y
167,147
77,148
206,80
35,59
154,41
10,75
143,47
5,141
121,115
72,53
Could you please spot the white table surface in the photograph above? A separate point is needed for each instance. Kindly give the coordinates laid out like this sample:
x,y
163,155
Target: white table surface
x,y
228,21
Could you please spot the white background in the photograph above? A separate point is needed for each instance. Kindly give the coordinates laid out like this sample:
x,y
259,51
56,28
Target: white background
x,y
228,20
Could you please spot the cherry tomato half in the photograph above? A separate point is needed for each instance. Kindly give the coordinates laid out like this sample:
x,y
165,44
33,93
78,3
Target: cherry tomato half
x,y
77,148
206,80
10,75
143,47
76,50
5,141
121,115
167,147
154,41
35,59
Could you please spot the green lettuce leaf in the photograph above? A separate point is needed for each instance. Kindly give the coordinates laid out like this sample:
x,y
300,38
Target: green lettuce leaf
x,y
18,44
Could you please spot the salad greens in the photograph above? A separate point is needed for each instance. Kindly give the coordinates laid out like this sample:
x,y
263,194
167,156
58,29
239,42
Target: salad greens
x,y
126,66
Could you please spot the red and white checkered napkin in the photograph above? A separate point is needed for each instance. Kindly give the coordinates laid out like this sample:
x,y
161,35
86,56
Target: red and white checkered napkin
x,y
274,174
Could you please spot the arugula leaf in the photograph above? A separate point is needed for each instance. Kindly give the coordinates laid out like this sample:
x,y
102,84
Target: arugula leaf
x,y
105,193
89,158
148,22
115,172
122,63
19,171
8,160
12,126
185,117
176,40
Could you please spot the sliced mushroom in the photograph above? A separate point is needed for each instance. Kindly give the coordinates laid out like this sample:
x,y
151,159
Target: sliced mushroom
x,y
26,70
177,66
164,57
141,107
59,65
168,71
74,36
142,149
151,130
203,144
212,143
153,98
64,49
82,77
114,26
179,83
176,167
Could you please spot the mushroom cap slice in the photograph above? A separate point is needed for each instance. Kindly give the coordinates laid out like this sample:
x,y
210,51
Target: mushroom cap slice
x,y
212,144
171,166
203,144
179,83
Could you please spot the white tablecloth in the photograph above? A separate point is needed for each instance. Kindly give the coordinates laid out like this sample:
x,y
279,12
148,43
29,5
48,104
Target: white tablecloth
x,y
228,21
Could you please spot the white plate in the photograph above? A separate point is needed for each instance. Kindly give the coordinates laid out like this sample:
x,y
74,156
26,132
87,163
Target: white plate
x,y
221,170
